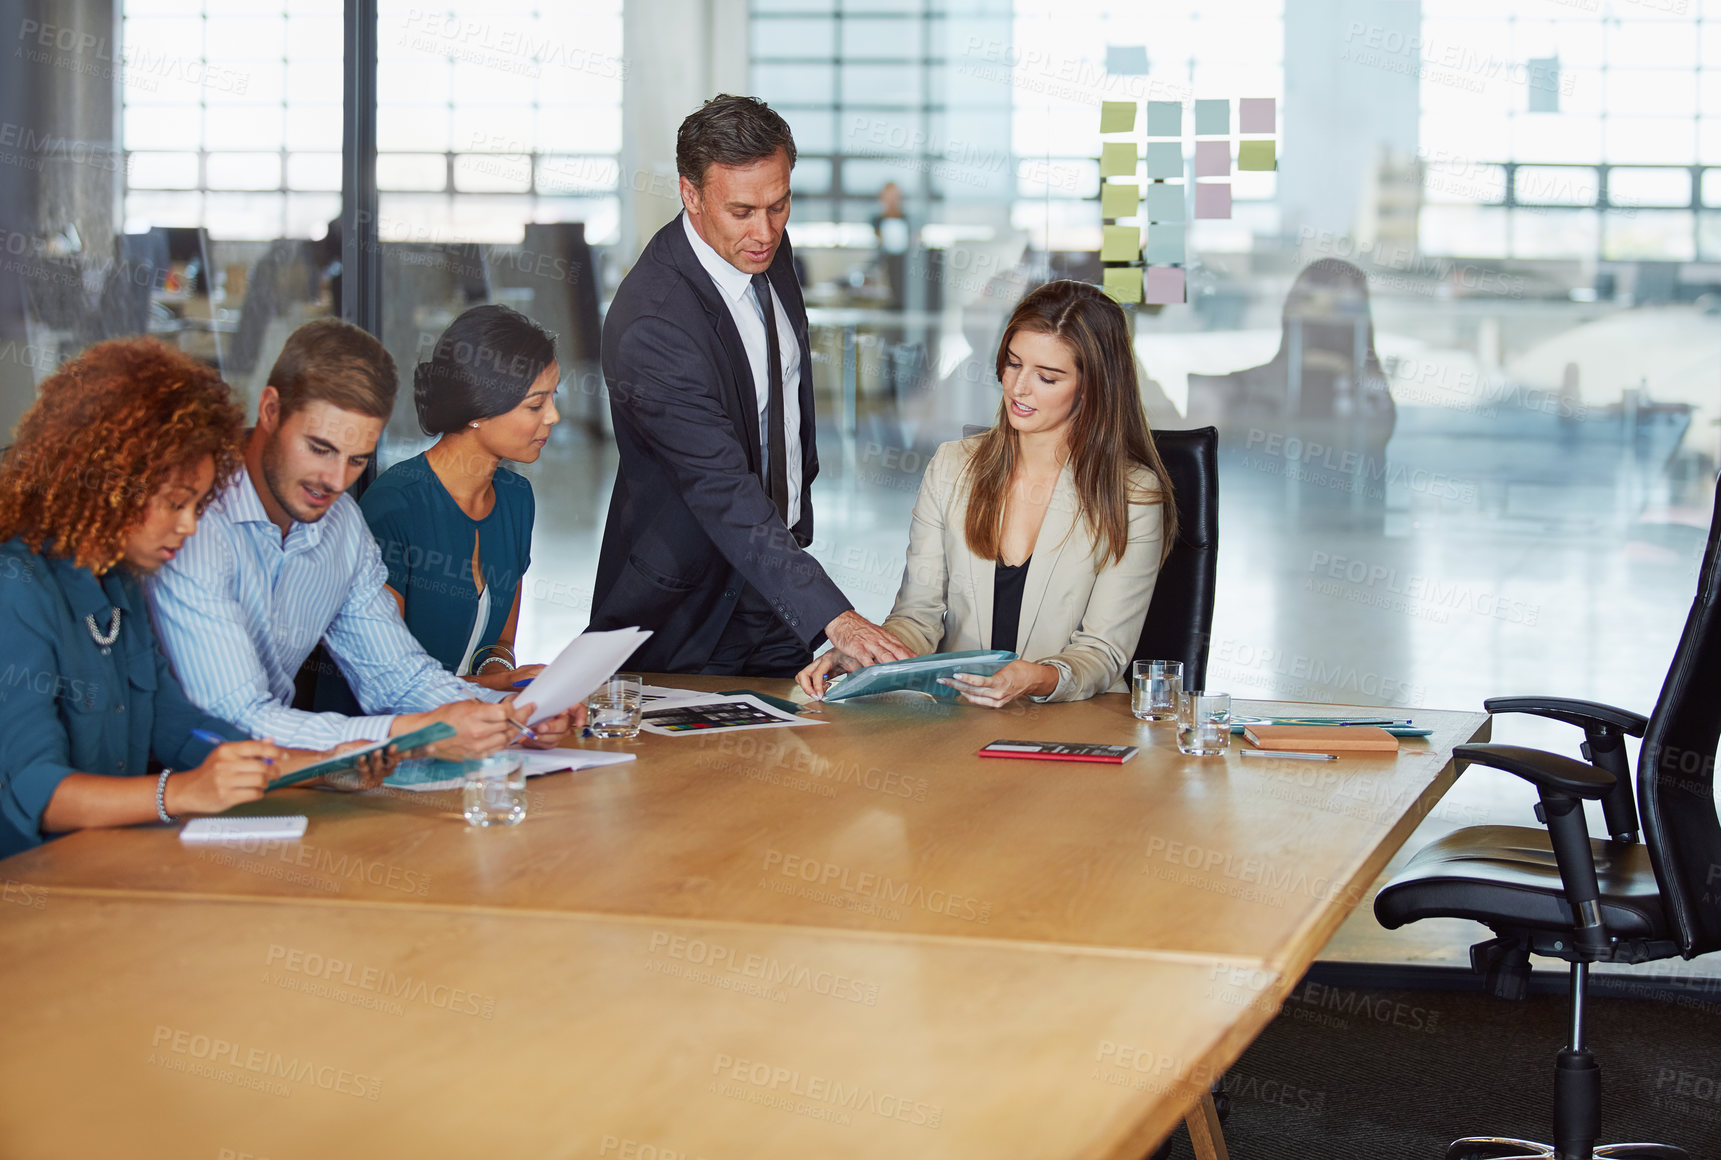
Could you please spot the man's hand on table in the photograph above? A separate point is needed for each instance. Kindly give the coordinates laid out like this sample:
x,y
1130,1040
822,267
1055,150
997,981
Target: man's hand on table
x,y
865,642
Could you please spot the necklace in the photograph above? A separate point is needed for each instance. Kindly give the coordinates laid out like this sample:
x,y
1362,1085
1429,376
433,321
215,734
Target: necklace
x,y
113,630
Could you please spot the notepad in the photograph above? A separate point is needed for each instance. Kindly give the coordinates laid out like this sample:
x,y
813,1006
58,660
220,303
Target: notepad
x,y
1323,738
288,828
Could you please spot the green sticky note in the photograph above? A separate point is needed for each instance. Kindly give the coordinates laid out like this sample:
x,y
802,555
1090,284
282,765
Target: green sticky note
x,y
1121,244
1255,155
1124,283
1117,159
1117,116
1120,200
1165,159
1165,245
1212,118
1165,203
1165,118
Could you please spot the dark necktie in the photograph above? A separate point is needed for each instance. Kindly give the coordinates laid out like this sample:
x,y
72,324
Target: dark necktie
x,y
777,455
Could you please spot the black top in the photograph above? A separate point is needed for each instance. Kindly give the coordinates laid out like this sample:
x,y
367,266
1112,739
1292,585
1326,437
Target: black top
x,y
1008,580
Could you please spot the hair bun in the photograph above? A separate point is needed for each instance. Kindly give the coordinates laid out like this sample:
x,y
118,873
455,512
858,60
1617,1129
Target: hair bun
x,y
430,415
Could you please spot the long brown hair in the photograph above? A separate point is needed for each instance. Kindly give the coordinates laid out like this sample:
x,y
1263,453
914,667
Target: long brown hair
x,y
111,428
1108,434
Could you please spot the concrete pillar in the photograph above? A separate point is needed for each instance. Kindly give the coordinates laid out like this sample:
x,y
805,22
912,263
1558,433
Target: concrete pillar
x,y
678,53
1351,91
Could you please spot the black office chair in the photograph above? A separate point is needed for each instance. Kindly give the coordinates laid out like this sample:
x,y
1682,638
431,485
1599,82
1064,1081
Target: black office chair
x,y
1556,892
1179,625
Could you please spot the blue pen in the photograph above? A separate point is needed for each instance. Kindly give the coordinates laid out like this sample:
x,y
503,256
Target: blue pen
x,y
523,684
210,738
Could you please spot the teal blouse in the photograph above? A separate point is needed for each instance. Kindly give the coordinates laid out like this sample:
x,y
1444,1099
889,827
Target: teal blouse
x,y
426,545
69,704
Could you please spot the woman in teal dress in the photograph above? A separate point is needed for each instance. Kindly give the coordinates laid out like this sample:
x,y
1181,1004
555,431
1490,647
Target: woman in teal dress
x,y
454,524
112,466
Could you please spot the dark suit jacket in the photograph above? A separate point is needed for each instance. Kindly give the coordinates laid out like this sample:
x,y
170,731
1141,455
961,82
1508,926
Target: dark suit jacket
x,y
690,522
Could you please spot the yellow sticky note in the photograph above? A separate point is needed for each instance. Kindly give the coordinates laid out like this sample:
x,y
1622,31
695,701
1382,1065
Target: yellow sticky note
x,y
1124,284
1117,159
1255,155
1122,200
1117,116
1121,244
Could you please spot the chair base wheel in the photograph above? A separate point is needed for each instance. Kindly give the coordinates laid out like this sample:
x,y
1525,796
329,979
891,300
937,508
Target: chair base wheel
x,y
1506,1148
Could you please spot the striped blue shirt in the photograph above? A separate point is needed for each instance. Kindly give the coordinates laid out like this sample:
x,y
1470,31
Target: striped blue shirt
x,y
239,609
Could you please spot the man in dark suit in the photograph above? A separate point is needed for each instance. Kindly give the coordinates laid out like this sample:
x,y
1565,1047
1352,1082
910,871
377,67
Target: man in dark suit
x,y
710,381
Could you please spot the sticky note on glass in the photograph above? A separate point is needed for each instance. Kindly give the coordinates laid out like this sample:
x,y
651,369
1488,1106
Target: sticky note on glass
x,y
1213,199
1120,244
1212,118
1117,116
1165,159
1165,203
1126,60
1255,115
1165,118
1120,200
1164,284
1165,245
1255,155
1213,158
1117,159
1124,283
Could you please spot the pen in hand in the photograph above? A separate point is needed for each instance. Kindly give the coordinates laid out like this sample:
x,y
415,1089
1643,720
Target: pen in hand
x,y
209,737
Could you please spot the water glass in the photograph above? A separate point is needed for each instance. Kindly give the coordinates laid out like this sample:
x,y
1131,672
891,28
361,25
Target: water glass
x,y
494,792
613,708
1155,688
1204,724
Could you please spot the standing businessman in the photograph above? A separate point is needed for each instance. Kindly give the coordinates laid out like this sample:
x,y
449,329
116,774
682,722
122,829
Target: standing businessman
x,y
705,355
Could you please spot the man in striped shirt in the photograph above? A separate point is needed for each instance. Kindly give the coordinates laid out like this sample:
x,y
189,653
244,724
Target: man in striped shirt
x,y
283,559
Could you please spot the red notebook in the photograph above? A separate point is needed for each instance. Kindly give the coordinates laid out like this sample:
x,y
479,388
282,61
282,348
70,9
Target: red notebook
x,y
1059,751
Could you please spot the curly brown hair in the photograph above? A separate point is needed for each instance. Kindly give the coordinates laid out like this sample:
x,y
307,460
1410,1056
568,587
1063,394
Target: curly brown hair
x,y
110,429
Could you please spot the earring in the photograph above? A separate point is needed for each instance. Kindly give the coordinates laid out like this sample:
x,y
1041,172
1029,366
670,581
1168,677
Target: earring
x,y
475,422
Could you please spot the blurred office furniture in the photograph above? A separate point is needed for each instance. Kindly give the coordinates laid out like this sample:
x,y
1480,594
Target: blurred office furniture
x,y
554,274
1557,892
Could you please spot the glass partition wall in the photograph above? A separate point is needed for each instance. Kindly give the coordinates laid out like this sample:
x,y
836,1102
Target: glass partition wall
x,y
1446,276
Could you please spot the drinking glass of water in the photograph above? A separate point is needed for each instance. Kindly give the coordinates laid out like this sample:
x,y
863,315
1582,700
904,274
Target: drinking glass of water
x,y
1204,724
613,708
1155,689
494,792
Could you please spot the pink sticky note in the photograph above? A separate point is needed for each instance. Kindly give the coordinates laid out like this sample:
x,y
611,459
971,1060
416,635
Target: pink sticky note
x,y
1213,159
1164,284
1213,199
1255,115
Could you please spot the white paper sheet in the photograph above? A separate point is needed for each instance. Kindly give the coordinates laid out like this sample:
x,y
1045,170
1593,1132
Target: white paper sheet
x,y
536,762
762,716
288,828
588,660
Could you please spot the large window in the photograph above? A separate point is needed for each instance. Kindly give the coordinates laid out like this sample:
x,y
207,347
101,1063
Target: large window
x,y
1568,132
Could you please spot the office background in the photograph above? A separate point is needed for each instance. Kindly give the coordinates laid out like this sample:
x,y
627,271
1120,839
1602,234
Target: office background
x,y
1531,189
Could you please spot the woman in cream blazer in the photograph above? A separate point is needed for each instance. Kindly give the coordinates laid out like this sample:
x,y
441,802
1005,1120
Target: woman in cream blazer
x,y
1060,514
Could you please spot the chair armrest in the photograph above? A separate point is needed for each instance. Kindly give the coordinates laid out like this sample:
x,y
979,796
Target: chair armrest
x,y
1562,784
1547,771
1583,714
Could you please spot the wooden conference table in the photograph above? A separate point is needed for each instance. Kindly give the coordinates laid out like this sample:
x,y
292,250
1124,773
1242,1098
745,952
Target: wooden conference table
x,y
850,939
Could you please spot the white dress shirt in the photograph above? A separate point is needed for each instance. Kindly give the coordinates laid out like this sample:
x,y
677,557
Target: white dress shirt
x,y
239,610
736,287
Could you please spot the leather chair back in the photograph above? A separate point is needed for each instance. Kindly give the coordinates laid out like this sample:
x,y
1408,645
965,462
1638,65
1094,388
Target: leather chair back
x,y
1676,767
1179,623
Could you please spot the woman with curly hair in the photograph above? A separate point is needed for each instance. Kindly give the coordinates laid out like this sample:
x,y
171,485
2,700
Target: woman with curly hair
x,y
111,468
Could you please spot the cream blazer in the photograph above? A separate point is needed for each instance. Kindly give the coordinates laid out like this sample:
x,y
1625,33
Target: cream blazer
x,y
1081,618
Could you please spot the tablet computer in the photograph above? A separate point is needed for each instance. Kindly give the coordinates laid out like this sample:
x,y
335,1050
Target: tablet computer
x,y
918,674
405,743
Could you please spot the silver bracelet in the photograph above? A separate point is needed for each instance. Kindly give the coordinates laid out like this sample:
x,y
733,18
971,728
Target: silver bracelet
x,y
161,797
488,661
499,649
